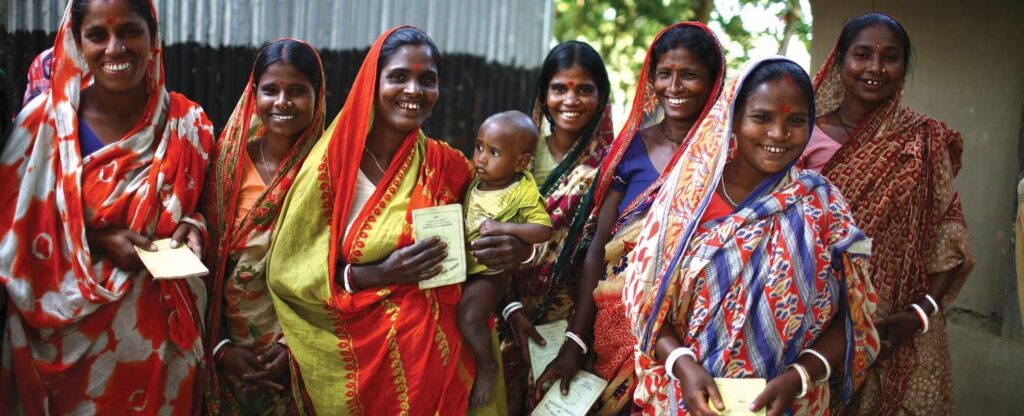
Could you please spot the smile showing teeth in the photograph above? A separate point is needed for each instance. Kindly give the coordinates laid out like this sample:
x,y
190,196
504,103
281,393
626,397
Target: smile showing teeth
x,y
117,67
409,105
281,117
677,101
873,83
774,149
571,114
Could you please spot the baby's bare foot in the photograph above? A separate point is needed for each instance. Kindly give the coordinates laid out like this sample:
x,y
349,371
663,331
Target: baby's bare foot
x,y
486,374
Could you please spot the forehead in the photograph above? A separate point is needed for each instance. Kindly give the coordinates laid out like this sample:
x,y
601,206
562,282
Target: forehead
x,y
775,93
680,56
501,135
574,73
283,73
110,12
876,35
409,56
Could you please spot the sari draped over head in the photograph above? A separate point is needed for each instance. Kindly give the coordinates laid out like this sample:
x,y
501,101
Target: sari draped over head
x,y
241,310
749,291
614,348
897,171
388,350
84,336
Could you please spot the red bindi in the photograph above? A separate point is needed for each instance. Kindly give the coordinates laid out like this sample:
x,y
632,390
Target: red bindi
x,y
673,66
784,108
416,67
789,80
110,22
572,84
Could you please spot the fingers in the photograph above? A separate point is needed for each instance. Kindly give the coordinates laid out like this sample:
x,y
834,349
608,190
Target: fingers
x,y
532,332
195,242
139,240
566,381
261,379
714,396
180,234
549,375
698,402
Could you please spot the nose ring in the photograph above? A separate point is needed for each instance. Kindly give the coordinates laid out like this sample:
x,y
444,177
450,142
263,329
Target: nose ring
x,y
788,133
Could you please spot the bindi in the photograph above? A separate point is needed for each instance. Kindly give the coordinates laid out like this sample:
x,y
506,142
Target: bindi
x,y
572,84
878,46
416,67
789,80
672,66
785,108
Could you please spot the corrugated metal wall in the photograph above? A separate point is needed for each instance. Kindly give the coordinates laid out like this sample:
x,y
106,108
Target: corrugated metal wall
x,y
514,33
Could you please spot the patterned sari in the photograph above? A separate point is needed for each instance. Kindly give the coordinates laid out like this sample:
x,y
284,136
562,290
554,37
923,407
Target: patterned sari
x,y
388,350
241,309
749,291
897,172
614,348
83,336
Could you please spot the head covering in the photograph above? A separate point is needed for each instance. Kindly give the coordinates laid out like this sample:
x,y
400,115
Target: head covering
x,y
686,272
148,182
897,171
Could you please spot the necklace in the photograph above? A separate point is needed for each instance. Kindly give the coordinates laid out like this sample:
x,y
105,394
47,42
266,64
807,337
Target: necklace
x,y
664,132
263,158
726,195
843,124
374,158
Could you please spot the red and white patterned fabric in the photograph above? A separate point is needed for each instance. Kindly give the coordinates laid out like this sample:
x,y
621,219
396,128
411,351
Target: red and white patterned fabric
x,y
82,336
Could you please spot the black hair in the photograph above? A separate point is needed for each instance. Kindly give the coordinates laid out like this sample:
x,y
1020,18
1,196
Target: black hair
x,y
563,57
695,40
859,23
141,7
773,70
404,37
289,52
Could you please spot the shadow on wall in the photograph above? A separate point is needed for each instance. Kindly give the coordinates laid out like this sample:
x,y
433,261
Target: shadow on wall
x,y
471,88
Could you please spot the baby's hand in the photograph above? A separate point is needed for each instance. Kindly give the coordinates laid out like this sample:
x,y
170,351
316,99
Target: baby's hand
x,y
490,228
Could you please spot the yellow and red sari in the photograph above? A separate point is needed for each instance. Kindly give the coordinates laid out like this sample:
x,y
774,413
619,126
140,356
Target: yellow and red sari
x,y
388,350
83,336
614,348
241,310
897,171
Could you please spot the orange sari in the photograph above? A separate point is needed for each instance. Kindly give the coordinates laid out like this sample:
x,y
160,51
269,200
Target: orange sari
x,y
390,350
84,336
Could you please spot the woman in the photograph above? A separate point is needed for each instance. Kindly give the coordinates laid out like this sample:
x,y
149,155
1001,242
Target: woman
x,y
344,267
572,103
679,81
275,124
115,164
771,287
896,167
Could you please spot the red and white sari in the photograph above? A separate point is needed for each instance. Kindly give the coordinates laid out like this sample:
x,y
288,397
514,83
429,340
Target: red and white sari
x,y
83,336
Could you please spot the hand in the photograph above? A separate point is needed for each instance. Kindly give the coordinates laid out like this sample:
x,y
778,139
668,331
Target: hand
x,y
119,244
243,365
190,235
490,228
778,395
500,252
522,331
563,367
414,263
896,329
275,361
697,387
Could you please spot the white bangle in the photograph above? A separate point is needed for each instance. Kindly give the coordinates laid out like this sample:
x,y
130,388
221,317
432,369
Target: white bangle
x,y
805,378
674,356
282,342
579,341
512,307
346,279
220,345
200,226
920,314
828,368
532,255
935,305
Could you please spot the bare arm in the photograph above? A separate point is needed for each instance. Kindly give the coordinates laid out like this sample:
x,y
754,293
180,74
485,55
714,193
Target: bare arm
x,y
594,266
530,233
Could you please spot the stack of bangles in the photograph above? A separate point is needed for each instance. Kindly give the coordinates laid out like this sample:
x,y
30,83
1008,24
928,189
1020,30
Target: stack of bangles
x,y
924,316
512,307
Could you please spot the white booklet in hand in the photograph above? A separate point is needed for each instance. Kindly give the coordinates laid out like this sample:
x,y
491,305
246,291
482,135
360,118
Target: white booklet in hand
x,y
171,263
541,356
738,394
584,390
446,222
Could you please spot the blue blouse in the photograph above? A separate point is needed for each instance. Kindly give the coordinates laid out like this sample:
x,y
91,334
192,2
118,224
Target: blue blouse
x,y
88,141
634,173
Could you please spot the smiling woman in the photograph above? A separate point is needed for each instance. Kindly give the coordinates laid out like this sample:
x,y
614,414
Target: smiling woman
x,y
89,330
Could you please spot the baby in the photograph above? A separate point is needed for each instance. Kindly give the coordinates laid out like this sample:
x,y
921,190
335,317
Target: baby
x,y
502,199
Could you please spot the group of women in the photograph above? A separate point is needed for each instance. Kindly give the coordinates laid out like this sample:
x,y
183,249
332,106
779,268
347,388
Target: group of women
x,y
768,226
